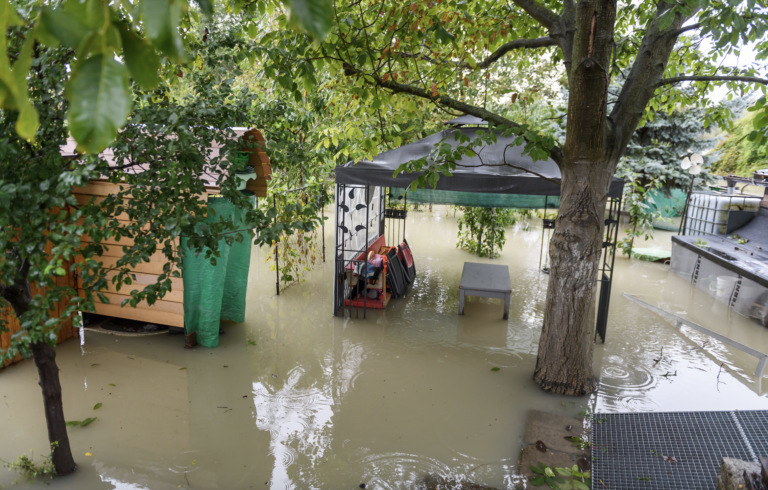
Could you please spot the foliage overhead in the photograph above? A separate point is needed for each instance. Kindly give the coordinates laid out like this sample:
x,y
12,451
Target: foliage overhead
x,y
98,33
436,52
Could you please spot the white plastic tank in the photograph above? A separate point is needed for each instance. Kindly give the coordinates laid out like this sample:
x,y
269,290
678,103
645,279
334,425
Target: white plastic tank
x,y
709,212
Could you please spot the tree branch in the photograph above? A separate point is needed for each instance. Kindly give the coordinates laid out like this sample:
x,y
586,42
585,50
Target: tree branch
x,y
540,13
722,78
541,42
641,82
691,27
397,87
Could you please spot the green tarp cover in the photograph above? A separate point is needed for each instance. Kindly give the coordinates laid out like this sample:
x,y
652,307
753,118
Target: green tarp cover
x,y
215,293
651,254
476,199
671,206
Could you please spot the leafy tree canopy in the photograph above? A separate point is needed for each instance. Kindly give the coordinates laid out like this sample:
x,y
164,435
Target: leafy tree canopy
x,y
738,155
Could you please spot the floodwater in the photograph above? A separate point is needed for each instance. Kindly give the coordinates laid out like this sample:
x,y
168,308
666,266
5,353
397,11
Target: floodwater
x,y
325,402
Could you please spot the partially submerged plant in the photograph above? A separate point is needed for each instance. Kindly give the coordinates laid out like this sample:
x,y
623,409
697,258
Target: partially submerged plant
x,y
26,466
561,478
641,208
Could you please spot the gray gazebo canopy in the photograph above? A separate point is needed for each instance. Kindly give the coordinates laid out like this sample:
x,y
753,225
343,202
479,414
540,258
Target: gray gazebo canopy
x,y
500,168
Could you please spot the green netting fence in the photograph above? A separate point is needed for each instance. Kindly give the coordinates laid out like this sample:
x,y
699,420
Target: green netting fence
x,y
215,293
671,205
476,199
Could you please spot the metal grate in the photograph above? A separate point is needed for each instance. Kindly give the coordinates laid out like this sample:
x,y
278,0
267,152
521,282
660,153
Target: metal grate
x,y
628,449
755,427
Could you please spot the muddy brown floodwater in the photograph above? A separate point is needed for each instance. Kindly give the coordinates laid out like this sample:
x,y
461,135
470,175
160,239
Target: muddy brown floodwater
x,y
324,402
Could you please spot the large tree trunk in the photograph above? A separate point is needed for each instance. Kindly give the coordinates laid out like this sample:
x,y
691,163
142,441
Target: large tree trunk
x,y
564,364
48,372
587,164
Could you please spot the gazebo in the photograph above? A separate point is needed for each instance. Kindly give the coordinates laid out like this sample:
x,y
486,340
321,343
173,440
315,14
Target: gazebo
x,y
499,175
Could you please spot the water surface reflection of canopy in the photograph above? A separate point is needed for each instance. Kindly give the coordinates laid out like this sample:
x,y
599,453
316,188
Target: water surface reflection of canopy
x,y
499,168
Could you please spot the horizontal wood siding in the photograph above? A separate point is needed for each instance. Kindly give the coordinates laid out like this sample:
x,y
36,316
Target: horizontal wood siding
x,y
169,310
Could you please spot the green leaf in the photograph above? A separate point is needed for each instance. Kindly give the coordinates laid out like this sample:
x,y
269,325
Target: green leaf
x,y
161,18
314,16
87,421
99,102
666,19
73,423
140,57
11,17
67,28
496,369
13,89
111,384
206,6
181,369
537,470
97,406
537,481
28,122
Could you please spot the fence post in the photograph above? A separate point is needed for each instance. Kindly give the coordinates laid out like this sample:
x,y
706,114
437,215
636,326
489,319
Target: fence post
x,y
277,258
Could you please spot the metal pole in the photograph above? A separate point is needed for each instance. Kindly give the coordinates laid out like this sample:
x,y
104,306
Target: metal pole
x,y
336,271
277,258
365,252
616,235
343,250
322,216
541,250
405,211
681,230
493,228
613,262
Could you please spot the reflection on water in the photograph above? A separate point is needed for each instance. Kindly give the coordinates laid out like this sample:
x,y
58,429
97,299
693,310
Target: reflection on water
x,y
325,402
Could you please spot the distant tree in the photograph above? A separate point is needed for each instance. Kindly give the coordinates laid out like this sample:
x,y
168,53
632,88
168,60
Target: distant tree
x,y
657,148
738,155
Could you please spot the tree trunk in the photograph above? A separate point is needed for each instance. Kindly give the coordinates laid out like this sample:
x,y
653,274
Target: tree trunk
x,y
48,371
587,164
564,364
19,296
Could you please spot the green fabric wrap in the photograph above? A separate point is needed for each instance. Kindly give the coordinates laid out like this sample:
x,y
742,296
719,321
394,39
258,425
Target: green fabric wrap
x,y
215,293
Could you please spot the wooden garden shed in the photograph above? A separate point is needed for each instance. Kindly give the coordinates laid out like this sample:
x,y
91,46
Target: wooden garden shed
x,y
169,310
